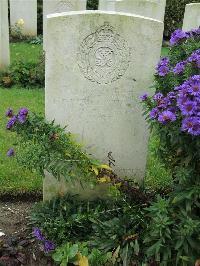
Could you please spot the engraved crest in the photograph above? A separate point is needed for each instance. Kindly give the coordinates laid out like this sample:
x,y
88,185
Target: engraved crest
x,y
103,56
64,5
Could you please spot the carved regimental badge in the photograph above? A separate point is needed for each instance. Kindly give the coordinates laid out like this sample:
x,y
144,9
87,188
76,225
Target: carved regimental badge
x,y
64,5
103,56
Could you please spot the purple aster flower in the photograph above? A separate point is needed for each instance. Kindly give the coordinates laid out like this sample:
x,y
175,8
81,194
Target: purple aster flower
x,y
191,125
179,68
158,96
11,122
188,108
172,95
195,58
194,88
164,103
163,71
144,97
182,99
23,111
22,115
154,113
177,36
48,246
21,119
38,234
193,32
10,152
163,67
166,116
9,112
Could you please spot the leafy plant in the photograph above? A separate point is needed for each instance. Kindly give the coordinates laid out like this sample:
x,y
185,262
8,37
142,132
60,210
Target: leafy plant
x,y
25,74
16,31
173,235
46,146
78,254
111,225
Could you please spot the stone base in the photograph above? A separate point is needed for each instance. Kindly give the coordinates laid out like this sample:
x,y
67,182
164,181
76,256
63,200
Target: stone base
x,y
54,188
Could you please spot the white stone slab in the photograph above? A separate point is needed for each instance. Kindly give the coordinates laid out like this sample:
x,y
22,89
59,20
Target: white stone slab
x,y
107,5
191,17
4,35
26,10
97,65
58,6
148,8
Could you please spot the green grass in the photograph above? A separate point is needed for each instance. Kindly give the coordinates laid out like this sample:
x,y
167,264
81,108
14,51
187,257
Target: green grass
x,y
15,179
25,51
165,51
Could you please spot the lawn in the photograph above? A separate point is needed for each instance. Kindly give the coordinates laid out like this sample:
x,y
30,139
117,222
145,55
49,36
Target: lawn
x,y
15,179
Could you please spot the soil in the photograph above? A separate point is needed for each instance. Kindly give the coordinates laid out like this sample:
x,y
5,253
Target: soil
x,y
17,245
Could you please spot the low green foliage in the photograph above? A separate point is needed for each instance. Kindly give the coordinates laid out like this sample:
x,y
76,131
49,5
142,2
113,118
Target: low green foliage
x,y
46,146
27,66
173,234
26,52
107,226
24,74
13,178
78,254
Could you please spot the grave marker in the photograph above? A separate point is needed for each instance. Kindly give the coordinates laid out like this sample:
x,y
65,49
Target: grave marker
x,y
97,66
191,17
148,8
25,10
58,6
4,35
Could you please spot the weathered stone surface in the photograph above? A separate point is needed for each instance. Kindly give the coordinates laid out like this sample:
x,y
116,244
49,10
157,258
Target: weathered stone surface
x,y
58,6
54,188
107,5
26,10
148,8
4,35
192,16
97,66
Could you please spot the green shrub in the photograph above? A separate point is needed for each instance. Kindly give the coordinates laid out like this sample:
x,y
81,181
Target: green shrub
x,y
78,254
92,4
173,235
25,74
174,14
107,226
39,17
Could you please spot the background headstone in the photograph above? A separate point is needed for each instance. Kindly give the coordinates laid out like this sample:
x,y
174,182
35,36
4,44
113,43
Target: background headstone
x,y
148,8
58,6
4,35
26,10
97,66
107,5
191,17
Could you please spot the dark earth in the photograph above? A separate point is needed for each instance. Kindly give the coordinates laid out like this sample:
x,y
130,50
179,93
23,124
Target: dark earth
x,y
18,246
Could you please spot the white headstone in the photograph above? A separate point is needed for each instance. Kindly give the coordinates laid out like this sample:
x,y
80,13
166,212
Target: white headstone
x,y
4,35
107,5
27,11
191,17
58,6
148,8
97,65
